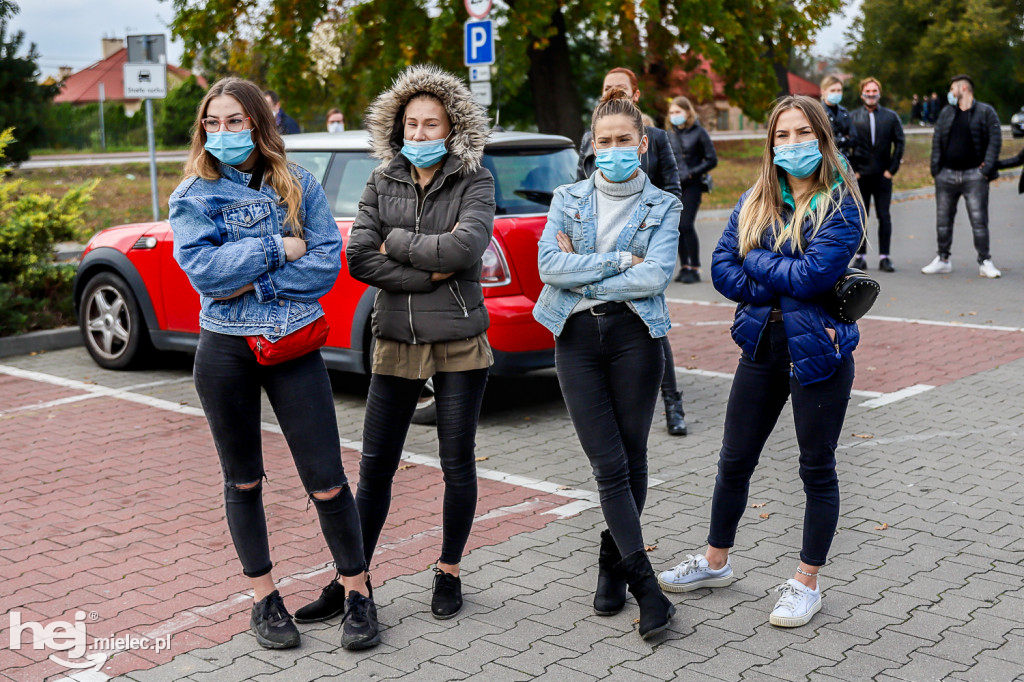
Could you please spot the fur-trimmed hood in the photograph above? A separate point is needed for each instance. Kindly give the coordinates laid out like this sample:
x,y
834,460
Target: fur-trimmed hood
x,y
470,126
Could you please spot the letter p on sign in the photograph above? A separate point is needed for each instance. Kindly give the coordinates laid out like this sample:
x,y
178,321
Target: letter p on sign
x,y
479,43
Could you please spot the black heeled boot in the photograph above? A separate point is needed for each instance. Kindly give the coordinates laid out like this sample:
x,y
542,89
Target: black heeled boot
x,y
674,413
655,609
610,596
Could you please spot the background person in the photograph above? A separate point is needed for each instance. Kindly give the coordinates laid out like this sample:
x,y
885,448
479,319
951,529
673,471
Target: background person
x,y
838,116
257,240
335,121
965,155
695,157
286,125
658,163
775,259
876,159
424,222
605,305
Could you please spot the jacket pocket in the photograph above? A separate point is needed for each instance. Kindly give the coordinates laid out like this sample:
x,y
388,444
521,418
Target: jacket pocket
x,y
249,220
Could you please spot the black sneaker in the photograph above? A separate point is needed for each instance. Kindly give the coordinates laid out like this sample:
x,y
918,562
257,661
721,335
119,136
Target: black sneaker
x,y
272,625
885,265
860,262
329,604
447,598
359,629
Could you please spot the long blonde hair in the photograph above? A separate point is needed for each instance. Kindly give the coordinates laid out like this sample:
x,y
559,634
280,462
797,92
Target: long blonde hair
x,y
686,105
762,211
264,135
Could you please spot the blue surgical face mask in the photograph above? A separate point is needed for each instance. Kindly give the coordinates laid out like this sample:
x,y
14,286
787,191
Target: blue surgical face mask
x,y
951,98
834,98
799,160
424,154
677,119
618,163
230,148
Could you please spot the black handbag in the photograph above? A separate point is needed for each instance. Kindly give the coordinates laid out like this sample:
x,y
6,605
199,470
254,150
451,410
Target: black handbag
x,y
707,184
852,296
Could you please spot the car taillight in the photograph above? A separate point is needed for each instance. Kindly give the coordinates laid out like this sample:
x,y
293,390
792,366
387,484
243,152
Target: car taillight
x,y
495,272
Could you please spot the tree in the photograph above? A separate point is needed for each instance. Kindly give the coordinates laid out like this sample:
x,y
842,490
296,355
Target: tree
x,y
747,41
174,124
917,45
24,100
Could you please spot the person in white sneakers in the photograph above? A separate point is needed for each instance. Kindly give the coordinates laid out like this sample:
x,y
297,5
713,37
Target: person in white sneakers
x,y
789,239
965,156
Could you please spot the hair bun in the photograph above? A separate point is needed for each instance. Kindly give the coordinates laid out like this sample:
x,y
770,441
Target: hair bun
x,y
614,93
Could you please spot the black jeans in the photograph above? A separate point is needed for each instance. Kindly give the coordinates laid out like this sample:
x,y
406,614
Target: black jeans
x,y
668,378
389,409
878,187
759,392
228,380
689,244
609,369
973,186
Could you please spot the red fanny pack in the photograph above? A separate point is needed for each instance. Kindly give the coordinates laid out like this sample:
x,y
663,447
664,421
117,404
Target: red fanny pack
x,y
291,346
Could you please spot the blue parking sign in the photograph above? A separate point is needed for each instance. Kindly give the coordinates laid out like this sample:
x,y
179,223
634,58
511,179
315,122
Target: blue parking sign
x,y
479,43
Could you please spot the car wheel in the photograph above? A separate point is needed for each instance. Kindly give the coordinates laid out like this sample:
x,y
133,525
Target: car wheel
x,y
111,322
426,407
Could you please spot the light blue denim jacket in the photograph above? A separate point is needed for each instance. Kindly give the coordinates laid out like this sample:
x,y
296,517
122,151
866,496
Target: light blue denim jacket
x,y
227,235
652,233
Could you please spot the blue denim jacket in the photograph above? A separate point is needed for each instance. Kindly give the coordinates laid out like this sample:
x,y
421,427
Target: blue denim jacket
x,y
651,233
227,235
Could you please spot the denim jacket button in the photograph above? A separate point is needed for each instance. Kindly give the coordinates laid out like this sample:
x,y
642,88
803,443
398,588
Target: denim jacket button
x,y
280,303
277,330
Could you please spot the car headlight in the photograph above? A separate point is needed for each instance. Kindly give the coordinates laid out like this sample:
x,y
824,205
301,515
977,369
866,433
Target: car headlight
x,y
1017,119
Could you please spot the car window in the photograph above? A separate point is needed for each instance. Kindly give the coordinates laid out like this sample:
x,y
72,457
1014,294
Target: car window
x,y
345,182
525,179
315,162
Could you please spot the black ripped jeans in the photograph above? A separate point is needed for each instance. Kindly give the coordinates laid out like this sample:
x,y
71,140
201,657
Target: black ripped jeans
x,y
760,390
609,369
228,380
389,409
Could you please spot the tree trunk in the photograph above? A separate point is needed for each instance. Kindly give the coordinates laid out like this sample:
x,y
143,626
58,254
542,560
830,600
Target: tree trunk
x,y
780,66
556,102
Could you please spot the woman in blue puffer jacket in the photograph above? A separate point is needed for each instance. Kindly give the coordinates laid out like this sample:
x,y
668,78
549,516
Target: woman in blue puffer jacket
x,y
788,241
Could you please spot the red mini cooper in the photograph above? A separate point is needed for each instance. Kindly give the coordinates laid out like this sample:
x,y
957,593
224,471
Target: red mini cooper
x,y
131,297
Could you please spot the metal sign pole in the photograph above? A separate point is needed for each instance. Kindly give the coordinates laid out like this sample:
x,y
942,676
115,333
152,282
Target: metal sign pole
x,y
103,130
152,158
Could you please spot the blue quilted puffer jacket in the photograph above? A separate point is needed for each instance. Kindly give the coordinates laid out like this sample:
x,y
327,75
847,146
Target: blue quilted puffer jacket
x,y
792,282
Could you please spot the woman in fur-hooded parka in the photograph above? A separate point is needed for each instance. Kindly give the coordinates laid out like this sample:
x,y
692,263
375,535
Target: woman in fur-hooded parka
x,y
416,224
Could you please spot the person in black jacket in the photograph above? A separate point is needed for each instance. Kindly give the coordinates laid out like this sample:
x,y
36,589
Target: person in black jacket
x,y
965,156
286,125
878,151
838,116
695,157
659,164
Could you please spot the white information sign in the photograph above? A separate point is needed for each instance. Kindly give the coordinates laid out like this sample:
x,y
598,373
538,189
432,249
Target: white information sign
x,y
479,73
482,92
145,81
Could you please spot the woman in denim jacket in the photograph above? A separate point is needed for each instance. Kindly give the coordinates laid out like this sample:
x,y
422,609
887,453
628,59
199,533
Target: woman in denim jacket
x,y
606,255
257,240
789,240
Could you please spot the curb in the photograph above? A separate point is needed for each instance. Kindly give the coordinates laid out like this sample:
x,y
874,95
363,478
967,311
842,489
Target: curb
x,y
33,342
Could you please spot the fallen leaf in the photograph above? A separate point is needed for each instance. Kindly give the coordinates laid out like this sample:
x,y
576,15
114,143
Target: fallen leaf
x,y
406,466
183,402
758,505
870,368
884,526
650,548
866,436
635,621
482,459
972,313
564,487
765,516
526,419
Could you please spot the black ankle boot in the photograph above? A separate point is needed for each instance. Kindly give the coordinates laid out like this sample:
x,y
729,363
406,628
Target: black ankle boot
x,y
610,596
674,413
329,604
655,610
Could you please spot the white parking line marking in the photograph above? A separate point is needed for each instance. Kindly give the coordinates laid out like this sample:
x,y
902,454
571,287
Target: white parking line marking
x,y
89,396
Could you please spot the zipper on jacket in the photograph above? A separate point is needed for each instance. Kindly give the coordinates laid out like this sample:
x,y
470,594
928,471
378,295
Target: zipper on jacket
x,y
458,298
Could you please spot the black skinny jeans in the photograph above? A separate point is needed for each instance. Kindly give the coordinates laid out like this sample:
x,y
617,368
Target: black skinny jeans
x,y
950,185
878,187
228,380
609,369
389,409
759,392
689,244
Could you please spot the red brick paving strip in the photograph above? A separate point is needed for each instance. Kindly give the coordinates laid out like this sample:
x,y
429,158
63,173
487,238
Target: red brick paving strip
x,y
115,507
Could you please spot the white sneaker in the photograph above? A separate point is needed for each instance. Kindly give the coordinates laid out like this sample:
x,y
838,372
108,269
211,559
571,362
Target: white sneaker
x,y
693,574
987,269
796,606
938,267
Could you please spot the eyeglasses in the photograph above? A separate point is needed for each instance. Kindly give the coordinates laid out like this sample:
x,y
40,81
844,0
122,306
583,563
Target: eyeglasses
x,y
235,124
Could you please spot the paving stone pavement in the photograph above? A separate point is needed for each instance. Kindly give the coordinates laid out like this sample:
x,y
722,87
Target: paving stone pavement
x,y
925,579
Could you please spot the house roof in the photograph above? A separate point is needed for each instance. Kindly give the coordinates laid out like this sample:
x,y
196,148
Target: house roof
x,y
84,86
802,86
681,80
